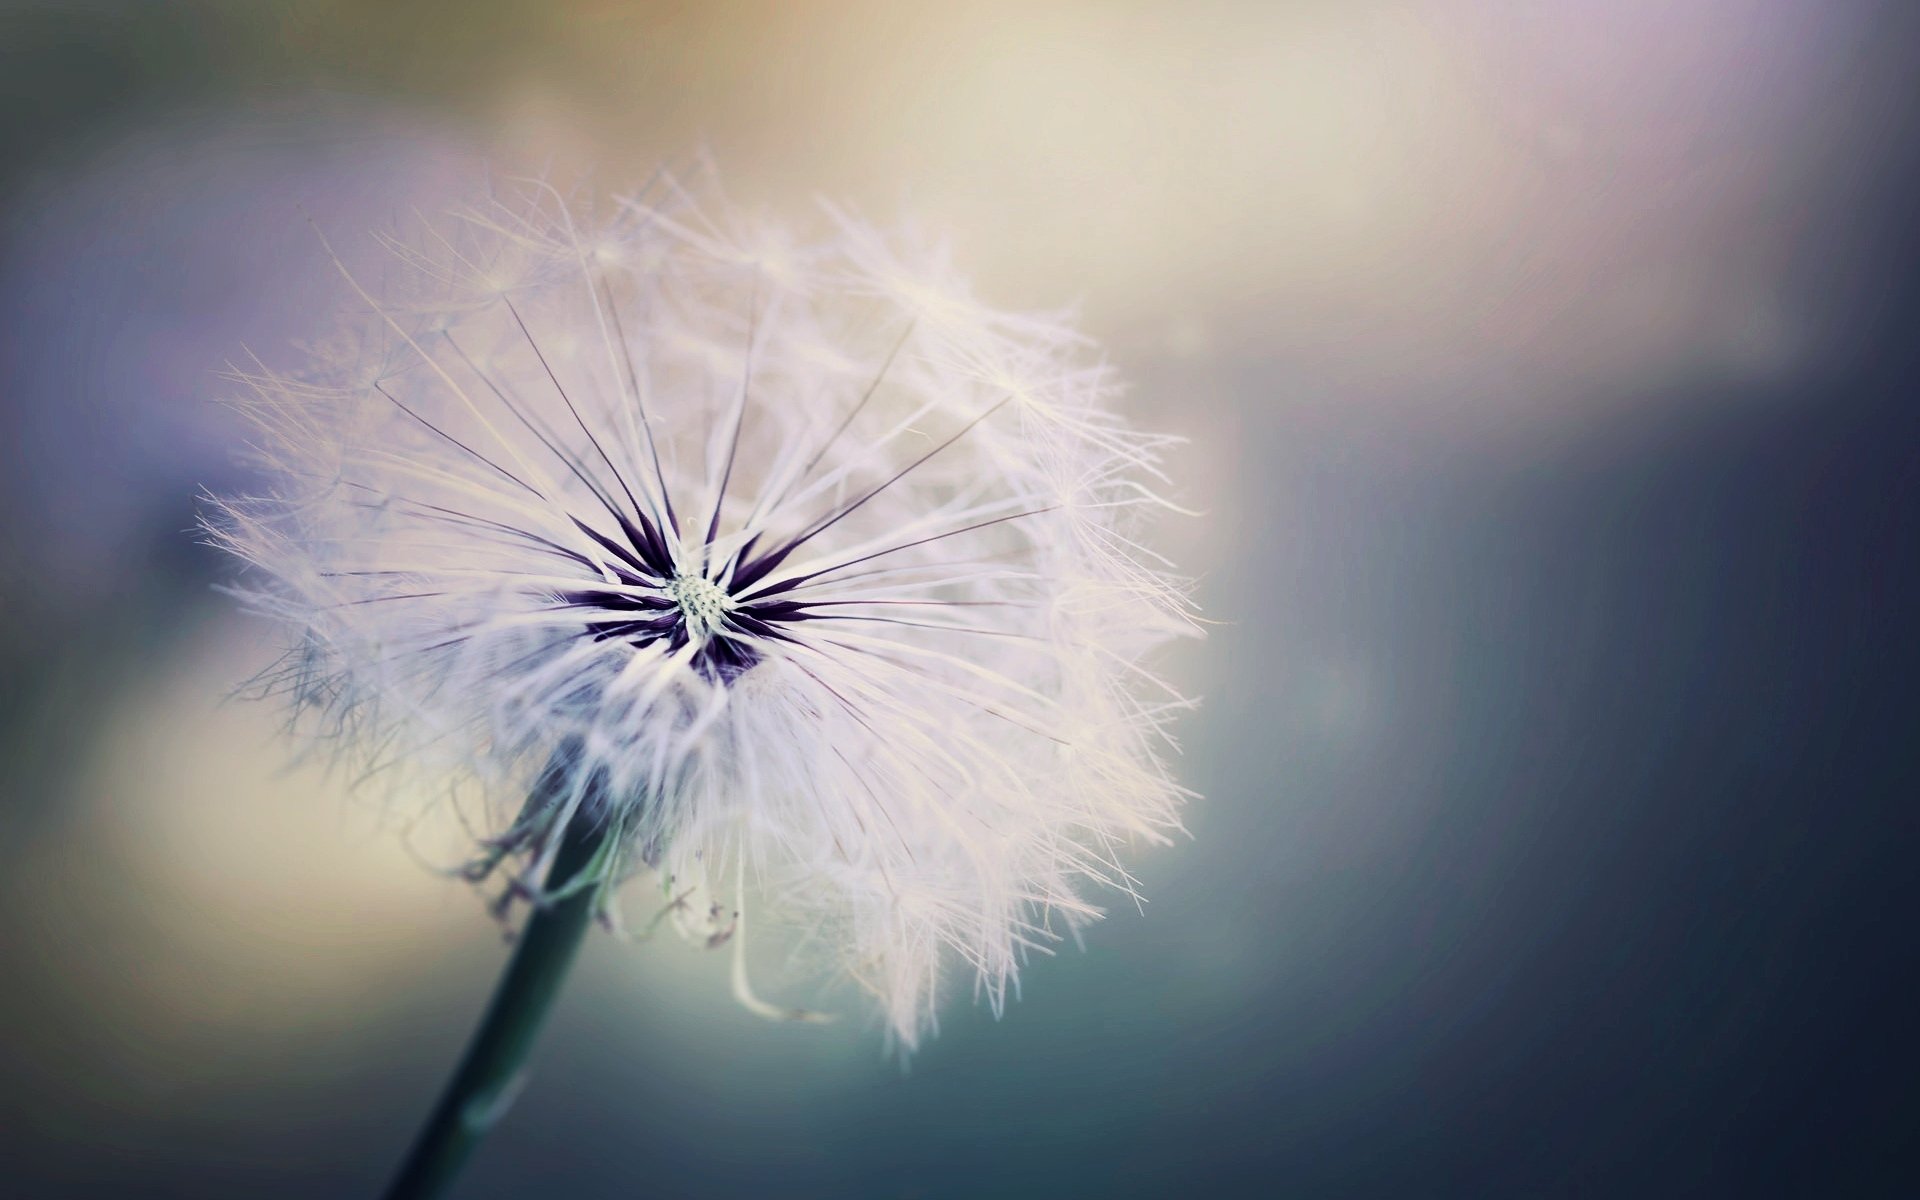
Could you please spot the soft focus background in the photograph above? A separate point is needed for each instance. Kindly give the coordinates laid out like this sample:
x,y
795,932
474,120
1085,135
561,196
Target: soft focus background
x,y
1548,369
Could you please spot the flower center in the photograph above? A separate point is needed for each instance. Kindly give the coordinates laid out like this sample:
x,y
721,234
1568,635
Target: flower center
x,y
703,604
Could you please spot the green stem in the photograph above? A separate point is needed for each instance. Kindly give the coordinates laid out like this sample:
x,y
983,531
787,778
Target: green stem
x,y
490,1073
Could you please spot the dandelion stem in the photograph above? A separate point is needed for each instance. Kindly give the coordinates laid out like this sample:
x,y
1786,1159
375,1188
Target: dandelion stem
x,y
494,1066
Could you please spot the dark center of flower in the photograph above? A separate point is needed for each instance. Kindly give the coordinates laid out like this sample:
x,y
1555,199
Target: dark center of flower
x,y
682,609
703,604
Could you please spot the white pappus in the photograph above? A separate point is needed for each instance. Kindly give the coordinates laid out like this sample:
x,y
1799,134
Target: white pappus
x,y
813,578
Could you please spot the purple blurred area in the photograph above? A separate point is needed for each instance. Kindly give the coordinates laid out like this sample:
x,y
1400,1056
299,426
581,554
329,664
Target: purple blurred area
x,y
1549,374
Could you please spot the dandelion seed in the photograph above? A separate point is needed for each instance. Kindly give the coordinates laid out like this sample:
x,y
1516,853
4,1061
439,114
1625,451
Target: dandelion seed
x,y
792,572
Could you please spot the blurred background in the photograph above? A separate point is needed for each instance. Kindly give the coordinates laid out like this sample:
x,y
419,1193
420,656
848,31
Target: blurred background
x,y
1548,371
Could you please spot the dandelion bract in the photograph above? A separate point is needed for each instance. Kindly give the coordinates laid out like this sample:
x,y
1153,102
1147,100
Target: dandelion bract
x,y
814,580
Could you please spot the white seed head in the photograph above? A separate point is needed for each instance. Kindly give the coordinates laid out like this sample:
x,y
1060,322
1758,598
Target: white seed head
x,y
815,579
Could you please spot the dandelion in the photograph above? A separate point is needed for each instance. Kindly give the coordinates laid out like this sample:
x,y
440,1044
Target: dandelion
x,y
763,562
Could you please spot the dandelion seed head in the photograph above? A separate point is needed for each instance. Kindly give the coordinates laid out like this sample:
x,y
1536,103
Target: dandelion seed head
x,y
819,582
